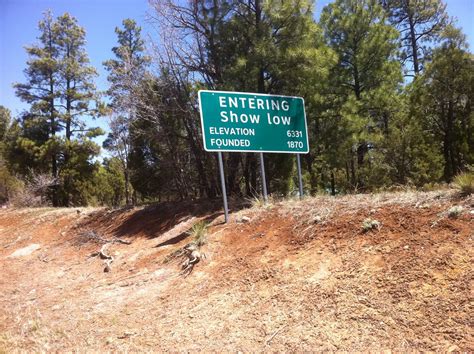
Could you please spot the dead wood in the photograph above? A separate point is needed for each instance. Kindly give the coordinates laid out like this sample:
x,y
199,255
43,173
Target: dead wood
x,y
92,235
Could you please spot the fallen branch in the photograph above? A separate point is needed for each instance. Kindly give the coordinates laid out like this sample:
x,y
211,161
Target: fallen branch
x,y
274,334
108,259
92,235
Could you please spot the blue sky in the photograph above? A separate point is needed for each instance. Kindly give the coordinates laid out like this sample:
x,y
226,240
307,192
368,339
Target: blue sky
x,y
19,20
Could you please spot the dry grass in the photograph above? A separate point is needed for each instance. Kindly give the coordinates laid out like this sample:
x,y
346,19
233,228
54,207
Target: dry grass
x,y
464,182
198,233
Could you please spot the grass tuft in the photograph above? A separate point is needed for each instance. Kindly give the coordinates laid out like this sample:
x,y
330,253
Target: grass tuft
x,y
455,211
370,224
199,233
464,182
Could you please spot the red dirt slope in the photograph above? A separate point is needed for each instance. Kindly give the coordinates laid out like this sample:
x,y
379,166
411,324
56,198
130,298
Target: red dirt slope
x,y
297,276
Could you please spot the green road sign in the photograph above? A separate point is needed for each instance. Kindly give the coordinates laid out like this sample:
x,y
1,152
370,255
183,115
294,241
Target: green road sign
x,y
237,121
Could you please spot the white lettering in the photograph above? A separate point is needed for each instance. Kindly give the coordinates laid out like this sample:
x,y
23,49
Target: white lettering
x,y
233,102
252,103
230,142
222,101
254,118
234,117
224,117
275,105
285,120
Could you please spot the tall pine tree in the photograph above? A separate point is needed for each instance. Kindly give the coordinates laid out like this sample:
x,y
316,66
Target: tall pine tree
x,y
61,92
126,72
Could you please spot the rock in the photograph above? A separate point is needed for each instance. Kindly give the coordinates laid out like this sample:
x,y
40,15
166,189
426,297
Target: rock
x,y
25,251
244,219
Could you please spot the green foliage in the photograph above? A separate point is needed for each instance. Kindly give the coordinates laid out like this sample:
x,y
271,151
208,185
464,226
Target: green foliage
x,y
198,233
60,90
370,224
420,24
455,211
126,73
107,187
465,182
361,94
368,129
441,102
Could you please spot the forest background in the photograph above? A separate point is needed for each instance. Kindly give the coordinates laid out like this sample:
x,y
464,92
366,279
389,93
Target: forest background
x,y
388,87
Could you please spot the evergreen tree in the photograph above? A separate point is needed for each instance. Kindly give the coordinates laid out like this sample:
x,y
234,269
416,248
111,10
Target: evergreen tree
x,y
420,23
125,75
363,83
78,98
443,98
61,92
41,88
6,179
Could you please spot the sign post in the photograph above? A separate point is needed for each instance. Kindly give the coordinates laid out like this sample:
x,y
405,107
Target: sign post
x,y
300,178
224,192
264,180
253,122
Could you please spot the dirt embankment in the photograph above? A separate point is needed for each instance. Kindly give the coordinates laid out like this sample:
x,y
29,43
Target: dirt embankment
x,y
289,276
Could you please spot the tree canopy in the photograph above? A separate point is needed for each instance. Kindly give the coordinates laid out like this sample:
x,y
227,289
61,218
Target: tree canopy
x,y
370,126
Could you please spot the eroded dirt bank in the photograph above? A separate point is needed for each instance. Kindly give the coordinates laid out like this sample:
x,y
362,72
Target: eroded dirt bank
x,y
291,276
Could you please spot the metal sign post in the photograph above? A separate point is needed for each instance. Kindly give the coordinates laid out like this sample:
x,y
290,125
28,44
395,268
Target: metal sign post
x,y
300,178
264,180
224,192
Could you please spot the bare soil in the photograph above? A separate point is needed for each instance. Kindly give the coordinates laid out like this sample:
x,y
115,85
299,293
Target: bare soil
x,y
297,276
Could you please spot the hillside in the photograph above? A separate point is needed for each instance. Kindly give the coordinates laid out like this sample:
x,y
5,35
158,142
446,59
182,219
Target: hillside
x,y
294,275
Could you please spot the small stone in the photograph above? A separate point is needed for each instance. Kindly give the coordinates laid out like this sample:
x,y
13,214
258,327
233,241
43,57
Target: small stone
x,y
406,247
245,219
26,251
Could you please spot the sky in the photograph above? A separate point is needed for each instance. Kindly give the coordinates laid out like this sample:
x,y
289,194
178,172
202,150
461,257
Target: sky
x,y
19,27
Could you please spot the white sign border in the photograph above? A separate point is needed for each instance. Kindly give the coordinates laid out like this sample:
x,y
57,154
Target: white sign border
x,y
256,94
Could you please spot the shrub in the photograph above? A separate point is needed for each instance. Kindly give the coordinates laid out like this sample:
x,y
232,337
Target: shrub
x,y
464,182
199,233
34,191
455,211
370,224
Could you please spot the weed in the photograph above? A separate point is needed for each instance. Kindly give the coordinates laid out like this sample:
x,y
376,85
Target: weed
x,y
455,211
464,182
199,233
370,224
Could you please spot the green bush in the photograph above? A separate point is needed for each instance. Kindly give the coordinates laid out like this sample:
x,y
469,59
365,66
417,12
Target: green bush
x,y
455,211
370,224
199,233
465,182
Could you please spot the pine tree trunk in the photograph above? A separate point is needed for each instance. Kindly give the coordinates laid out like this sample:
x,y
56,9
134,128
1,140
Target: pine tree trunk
x,y
414,46
127,186
333,183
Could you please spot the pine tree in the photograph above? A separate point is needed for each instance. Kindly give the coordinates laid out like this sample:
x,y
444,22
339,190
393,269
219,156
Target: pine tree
x,y
274,47
363,82
125,74
443,98
78,98
420,23
61,92
6,178
41,88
